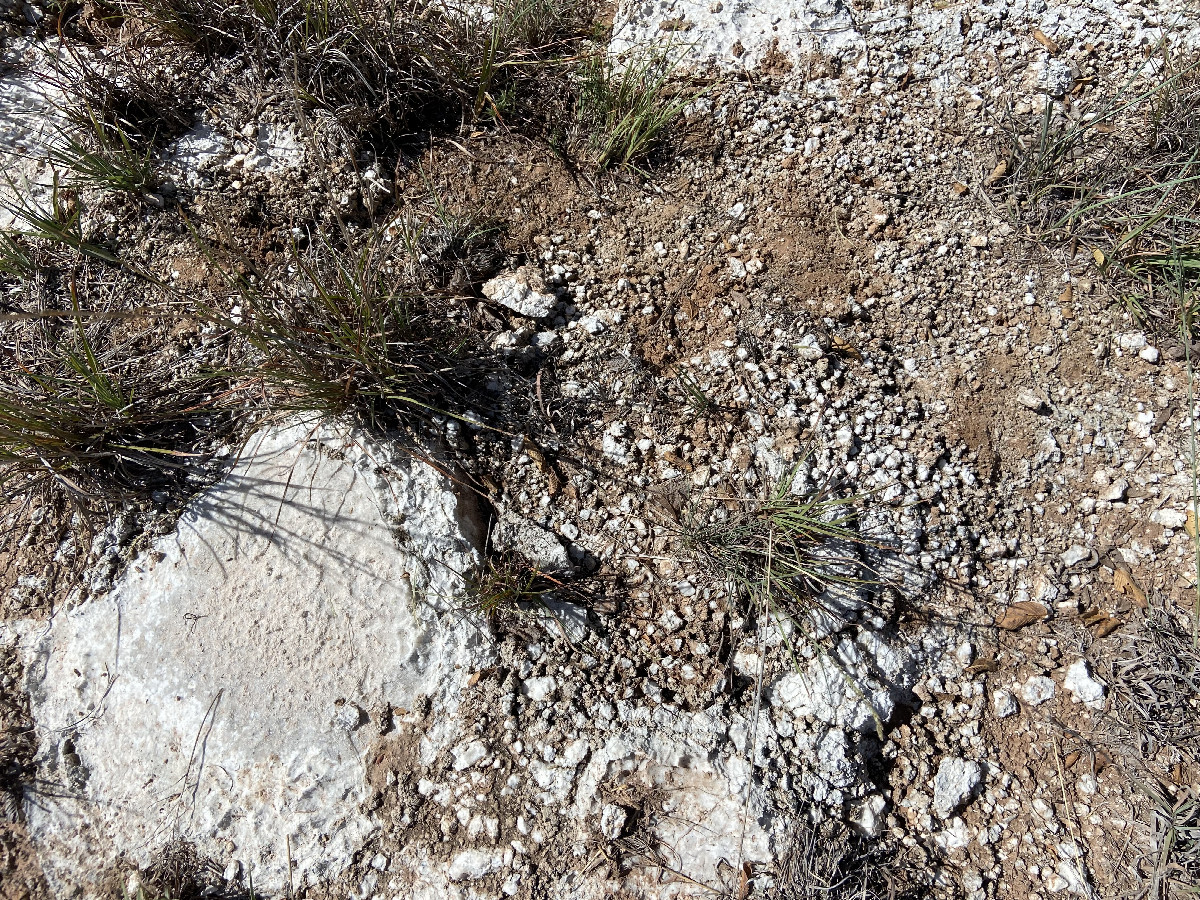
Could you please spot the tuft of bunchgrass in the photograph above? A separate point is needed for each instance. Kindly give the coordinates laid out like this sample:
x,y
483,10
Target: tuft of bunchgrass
x,y
341,332
15,260
103,155
624,107
1120,178
506,584
96,424
773,551
61,224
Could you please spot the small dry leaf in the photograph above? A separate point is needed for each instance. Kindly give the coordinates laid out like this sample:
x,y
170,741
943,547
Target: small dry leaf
x,y
1102,622
1098,256
1045,40
1072,758
1021,614
959,188
1190,525
997,173
1124,583
1107,627
981,665
1067,295
845,348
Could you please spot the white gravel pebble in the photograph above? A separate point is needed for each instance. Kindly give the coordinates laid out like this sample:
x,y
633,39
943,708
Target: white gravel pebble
x,y
955,781
1038,690
1082,686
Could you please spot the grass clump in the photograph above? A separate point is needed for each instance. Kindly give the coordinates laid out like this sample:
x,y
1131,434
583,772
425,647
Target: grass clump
x,y
774,551
104,156
624,107
340,331
507,584
82,412
1120,179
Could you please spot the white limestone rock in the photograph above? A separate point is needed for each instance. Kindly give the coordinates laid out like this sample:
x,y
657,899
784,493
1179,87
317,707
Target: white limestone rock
x,y
1082,687
522,291
204,697
954,784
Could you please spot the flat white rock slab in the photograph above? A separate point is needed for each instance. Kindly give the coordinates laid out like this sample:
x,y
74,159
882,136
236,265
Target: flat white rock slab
x,y
214,695
737,33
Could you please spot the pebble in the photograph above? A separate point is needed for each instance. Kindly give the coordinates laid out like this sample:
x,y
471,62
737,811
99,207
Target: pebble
x,y
1083,687
1029,399
953,785
1004,704
539,689
1038,690
522,291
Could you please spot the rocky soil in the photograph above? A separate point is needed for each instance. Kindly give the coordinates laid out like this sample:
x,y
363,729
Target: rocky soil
x,y
817,286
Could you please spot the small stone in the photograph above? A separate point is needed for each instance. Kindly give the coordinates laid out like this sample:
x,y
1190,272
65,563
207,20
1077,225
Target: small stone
x,y
349,717
1115,491
810,348
978,241
466,755
539,689
1029,399
1055,77
1131,342
965,654
1076,554
523,292
612,821
1082,686
473,865
379,862
953,785
1038,690
737,268
868,817
1149,354
1004,704
1169,518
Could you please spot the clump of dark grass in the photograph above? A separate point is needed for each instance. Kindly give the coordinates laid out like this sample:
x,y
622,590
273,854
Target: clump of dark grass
x,y
509,584
773,551
61,225
511,593
16,261
341,332
827,861
84,415
445,247
103,155
179,872
387,69
1156,683
623,107
1119,179
18,744
1175,823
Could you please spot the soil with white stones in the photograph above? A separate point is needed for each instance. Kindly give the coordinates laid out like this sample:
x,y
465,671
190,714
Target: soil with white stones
x,y
814,280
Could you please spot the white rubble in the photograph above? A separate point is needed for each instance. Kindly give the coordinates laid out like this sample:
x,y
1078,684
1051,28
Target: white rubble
x,y
1004,704
1083,687
206,696
29,125
522,291
953,785
1037,690
738,33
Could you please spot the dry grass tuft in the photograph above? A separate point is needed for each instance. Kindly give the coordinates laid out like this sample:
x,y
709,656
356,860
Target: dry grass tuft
x,y
1119,178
